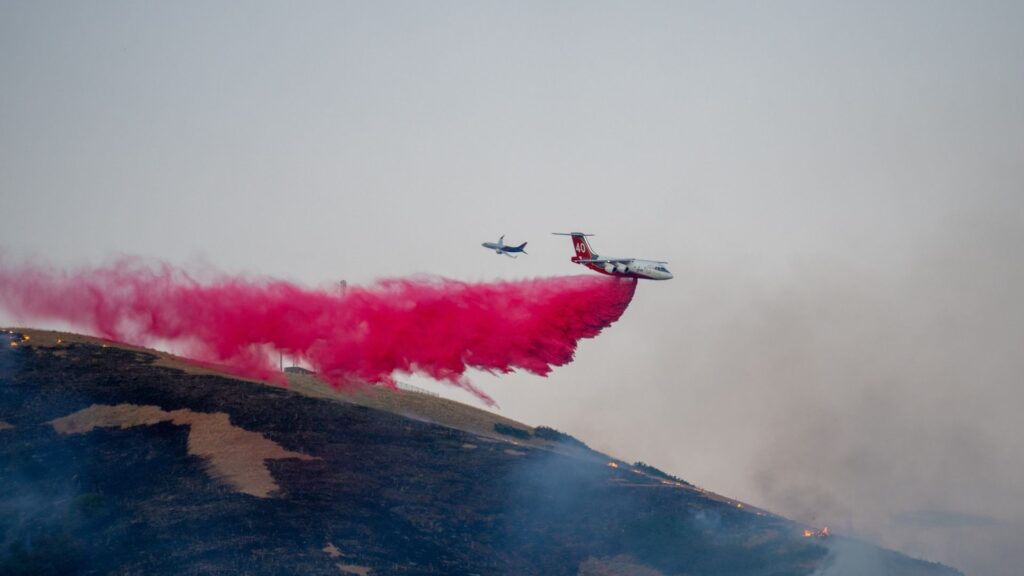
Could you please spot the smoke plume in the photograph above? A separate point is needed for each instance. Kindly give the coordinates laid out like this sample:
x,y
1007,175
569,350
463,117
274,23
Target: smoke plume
x,y
431,326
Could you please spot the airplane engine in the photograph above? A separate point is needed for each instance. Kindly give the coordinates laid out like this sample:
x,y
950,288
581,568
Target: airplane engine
x,y
609,268
620,268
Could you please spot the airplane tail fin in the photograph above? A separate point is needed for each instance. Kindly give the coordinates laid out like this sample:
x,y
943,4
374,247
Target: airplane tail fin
x,y
579,244
522,247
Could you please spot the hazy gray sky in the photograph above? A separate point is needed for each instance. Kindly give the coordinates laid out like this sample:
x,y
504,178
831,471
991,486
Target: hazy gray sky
x,y
837,187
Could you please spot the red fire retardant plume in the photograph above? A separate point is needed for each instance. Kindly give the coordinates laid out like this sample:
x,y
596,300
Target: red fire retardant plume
x,y
431,326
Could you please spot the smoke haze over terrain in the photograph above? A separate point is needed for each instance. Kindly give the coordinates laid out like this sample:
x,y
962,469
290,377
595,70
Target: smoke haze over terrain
x,y
837,189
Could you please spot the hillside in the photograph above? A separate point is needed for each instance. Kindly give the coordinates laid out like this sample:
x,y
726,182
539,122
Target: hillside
x,y
119,460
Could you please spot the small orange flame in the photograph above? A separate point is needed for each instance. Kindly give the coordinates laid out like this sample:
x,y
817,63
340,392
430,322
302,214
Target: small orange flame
x,y
613,465
14,344
823,533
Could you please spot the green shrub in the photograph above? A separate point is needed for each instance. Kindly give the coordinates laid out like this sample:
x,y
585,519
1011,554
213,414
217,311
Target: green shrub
x,y
512,431
652,471
548,433
90,504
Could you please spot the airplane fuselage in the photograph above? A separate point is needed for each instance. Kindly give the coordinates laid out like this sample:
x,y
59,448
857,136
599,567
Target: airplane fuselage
x,y
646,269
500,247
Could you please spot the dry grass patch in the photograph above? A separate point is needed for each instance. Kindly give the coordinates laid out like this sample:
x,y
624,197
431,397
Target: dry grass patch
x,y
353,569
236,456
54,339
331,550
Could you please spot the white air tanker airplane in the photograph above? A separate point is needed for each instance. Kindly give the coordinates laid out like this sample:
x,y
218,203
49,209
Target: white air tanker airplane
x,y
624,267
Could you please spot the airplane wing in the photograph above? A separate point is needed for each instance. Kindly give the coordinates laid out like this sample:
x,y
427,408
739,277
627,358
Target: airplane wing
x,y
605,260
616,261
507,254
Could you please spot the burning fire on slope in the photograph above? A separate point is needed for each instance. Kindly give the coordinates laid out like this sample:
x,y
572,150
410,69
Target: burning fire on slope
x,y
24,338
815,533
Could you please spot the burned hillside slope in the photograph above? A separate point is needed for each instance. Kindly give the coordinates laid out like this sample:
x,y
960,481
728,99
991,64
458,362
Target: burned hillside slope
x,y
114,462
